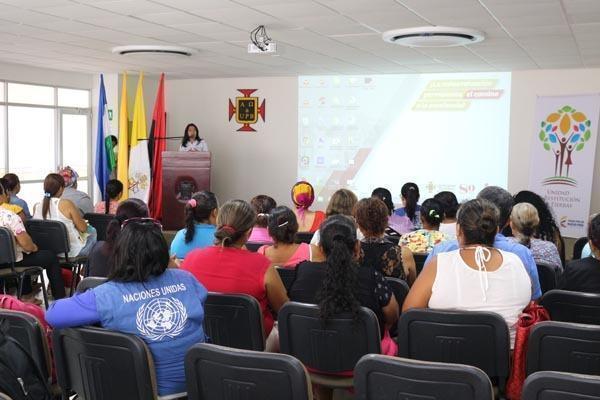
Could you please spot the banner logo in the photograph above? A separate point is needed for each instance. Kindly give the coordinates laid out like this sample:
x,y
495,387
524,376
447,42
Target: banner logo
x,y
246,110
562,133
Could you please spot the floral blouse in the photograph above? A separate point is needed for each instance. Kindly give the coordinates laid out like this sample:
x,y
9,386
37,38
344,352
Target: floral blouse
x,y
423,240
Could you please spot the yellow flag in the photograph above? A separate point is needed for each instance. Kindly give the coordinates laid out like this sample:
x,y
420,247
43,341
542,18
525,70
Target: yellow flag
x,y
123,149
139,162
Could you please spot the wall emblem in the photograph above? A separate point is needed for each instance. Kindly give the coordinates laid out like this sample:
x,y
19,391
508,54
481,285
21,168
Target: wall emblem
x,y
246,110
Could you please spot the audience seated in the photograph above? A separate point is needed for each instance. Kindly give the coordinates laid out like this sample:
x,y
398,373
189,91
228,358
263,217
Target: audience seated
x,y
477,276
284,252
303,195
377,252
262,205
229,268
27,253
583,275
504,202
200,219
98,259
114,191
422,240
81,200
524,221
163,306
13,186
450,206
11,207
81,235
406,218
342,202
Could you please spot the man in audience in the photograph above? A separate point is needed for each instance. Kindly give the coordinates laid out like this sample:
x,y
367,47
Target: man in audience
x,y
81,200
504,201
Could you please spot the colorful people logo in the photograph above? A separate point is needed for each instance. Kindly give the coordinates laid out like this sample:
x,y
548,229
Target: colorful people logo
x,y
563,132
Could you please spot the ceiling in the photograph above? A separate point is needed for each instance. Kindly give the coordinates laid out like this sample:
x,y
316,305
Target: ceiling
x,y
313,36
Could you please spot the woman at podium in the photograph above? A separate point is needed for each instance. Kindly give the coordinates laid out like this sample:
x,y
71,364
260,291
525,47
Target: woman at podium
x,y
191,141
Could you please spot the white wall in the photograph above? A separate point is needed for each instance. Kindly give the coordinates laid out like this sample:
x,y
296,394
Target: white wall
x,y
44,76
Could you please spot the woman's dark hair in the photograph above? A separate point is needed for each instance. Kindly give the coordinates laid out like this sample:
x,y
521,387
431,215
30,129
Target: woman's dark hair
x,y
3,189
283,225
342,202
114,187
52,185
263,205
432,212
410,192
594,230
449,203
235,218
386,196
130,208
197,211
12,181
338,240
371,216
140,252
186,137
478,220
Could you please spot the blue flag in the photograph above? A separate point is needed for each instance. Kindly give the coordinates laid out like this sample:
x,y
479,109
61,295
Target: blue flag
x,y
102,164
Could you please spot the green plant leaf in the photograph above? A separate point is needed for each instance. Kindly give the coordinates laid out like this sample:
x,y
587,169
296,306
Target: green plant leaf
x,y
543,124
587,135
547,146
567,109
587,123
579,146
542,135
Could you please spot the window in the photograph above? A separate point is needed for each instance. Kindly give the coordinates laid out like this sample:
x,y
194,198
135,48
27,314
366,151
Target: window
x,y
73,98
30,94
2,137
75,142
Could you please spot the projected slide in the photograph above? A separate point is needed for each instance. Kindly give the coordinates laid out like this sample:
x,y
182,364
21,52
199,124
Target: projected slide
x,y
442,131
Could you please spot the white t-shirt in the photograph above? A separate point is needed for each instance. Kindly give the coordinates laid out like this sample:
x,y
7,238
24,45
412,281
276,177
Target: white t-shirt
x,y
448,229
76,241
460,287
194,146
13,223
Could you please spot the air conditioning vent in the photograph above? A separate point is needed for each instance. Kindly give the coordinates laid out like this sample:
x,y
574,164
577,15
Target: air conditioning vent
x,y
433,36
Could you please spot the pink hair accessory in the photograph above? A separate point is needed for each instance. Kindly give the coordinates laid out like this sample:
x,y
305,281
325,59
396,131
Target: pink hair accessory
x,y
192,203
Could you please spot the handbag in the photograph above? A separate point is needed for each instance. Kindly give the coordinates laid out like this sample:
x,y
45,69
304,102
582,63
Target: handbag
x,y
531,315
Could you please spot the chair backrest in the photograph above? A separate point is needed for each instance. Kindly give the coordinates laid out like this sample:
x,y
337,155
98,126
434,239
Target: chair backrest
x,y
303,237
89,283
234,320
100,364
287,275
564,346
552,385
378,377
567,306
420,261
479,339
399,287
331,347
100,222
7,247
578,247
29,332
49,235
221,373
393,239
253,246
548,276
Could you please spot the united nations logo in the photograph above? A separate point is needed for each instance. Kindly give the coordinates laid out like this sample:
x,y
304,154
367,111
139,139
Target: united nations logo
x,y
160,318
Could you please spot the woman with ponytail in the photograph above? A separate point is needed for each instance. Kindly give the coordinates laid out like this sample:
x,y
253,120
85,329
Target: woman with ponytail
x,y
262,205
303,195
200,219
114,191
81,236
423,240
227,267
524,221
407,217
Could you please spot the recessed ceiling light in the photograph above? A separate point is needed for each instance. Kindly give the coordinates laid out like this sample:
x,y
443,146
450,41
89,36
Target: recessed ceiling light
x,y
153,49
433,36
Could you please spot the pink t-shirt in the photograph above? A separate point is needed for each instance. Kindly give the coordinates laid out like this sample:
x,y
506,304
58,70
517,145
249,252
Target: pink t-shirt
x,y
100,207
302,253
260,235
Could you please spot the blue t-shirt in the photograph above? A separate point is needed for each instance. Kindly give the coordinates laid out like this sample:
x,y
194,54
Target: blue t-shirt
x,y
21,203
502,243
204,237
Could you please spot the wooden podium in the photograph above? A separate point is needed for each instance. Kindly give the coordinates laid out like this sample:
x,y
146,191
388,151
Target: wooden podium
x,y
184,173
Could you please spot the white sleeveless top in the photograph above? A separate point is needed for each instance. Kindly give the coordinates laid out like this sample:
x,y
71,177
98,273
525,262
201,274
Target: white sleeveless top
x,y
505,291
76,242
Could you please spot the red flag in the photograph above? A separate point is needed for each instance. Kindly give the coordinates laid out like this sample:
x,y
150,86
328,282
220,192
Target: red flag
x,y
158,134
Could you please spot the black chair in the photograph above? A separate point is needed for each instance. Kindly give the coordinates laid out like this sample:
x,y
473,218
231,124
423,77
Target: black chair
x,y
331,348
9,270
564,347
578,247
420,261
100,222
234,320
89,283
552,385
52,236
97,363
288,276
548,276
378,377
399,287
253,246
221,373
567,306
393,239
303,237
479,339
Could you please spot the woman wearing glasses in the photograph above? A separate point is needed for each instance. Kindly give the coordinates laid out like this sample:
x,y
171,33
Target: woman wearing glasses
x,y
163,306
